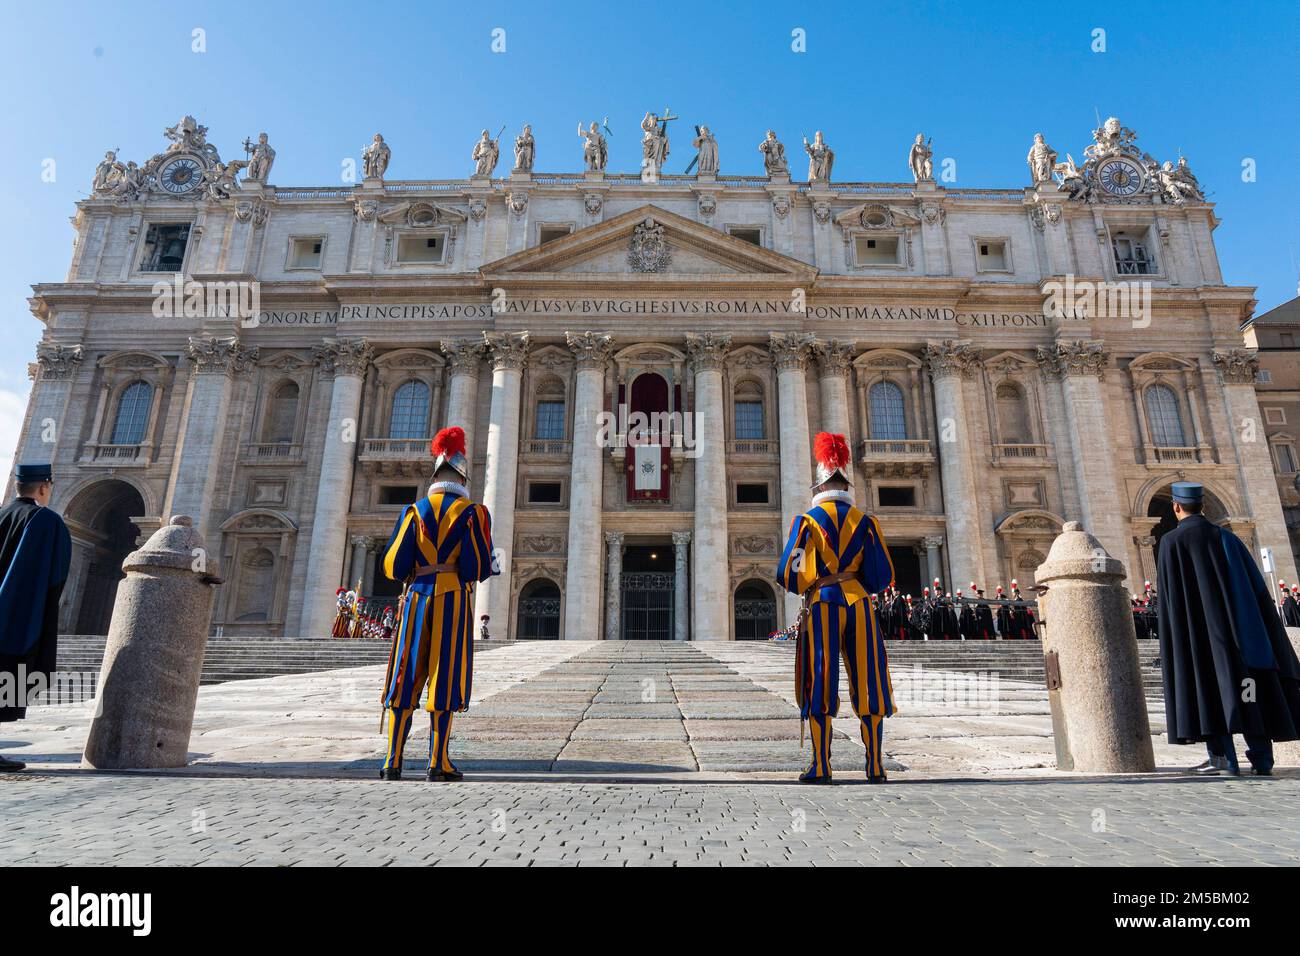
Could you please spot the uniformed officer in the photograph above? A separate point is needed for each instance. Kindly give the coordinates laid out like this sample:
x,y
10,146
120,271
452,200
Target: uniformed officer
x,y
834,558
35,553
441,547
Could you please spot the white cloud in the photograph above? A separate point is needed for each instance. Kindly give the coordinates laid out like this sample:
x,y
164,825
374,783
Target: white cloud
x,y
13,405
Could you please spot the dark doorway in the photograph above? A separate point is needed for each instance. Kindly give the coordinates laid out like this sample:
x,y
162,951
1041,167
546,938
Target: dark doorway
x,y
907,568
539,611
755,611
104,510
1162,507
647,597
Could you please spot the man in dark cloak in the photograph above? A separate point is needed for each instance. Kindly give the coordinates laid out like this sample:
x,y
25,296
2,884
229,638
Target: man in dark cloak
x,y
35,551
1227,663
1290,606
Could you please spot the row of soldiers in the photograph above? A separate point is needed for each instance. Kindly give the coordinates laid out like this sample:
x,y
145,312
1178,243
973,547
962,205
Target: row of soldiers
x,y
943,616
356,617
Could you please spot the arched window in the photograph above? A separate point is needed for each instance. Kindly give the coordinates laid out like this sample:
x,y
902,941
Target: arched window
x,y
281,415
132,414
1013,417
539,611
410,411
888,418
1163,419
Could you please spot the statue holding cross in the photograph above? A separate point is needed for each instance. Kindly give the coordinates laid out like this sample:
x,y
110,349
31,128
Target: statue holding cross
x,y
654,142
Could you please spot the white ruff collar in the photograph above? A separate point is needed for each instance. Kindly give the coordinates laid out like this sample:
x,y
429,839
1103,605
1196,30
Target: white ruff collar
x,y
843,496
453,487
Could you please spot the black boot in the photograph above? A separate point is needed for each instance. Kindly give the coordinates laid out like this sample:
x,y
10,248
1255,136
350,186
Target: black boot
x,y
809,777
11,766
448,776
877,778
391,773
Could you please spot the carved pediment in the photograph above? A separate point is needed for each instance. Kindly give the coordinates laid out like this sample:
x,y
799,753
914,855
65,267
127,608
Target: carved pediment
x,y
872,215
420,215
652,242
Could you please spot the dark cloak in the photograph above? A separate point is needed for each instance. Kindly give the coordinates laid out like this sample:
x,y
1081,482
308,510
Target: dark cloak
x,y
1219,632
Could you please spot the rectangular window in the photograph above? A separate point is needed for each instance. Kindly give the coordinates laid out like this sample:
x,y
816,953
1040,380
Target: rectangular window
x,y
1286,459
550,421
895,497
305,253
1131,255
164,247
876,250
544,492
550,233
751,493
991,255
421,249
750,234
398,494
749,421
1274,416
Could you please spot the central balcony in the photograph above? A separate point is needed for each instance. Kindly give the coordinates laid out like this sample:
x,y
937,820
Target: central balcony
x,y
396,457
896,457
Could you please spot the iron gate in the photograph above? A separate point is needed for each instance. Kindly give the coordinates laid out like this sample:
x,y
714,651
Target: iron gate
x,y
647,606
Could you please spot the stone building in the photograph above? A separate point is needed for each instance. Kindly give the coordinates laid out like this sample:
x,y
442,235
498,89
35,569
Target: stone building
x,y
639,361
1276,336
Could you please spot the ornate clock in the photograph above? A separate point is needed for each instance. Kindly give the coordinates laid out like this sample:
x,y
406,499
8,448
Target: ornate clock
x,y
1120,177
181,174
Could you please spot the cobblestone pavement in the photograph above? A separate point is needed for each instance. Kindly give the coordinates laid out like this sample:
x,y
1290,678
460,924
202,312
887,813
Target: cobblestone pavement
x,y
127,819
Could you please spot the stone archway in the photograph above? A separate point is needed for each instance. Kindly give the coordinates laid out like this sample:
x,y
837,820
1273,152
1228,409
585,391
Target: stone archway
x,y
755,610
539,611
1161,507
99,517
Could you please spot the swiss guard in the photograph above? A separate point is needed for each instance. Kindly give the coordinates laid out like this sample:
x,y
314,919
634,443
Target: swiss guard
x,y
835,557
1228,666
35,552
441,548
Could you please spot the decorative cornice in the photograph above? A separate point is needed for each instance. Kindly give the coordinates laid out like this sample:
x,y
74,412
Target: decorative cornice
x,y
1237,366
507,350
590,349
57,362
463,355
951,357
790,349
834,357
707,350
213,355
1073,358
344,356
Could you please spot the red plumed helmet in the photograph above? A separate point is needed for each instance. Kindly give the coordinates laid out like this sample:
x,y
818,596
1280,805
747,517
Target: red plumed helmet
x,y
449,448
831,452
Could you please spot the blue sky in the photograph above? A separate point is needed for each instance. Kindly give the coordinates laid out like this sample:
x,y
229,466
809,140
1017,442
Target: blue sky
x,y
1216,83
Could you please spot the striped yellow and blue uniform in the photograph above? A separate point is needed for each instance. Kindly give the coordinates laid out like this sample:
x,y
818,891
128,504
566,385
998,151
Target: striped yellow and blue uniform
x,y
434,640
833,536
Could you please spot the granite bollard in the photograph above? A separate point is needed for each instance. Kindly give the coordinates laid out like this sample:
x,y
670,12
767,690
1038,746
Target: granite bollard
x,y
1099,711
153,659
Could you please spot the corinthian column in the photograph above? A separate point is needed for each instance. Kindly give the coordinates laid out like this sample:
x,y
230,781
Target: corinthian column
x,y
1255,477
508,351
56,367
833,358
950,364
709,610
586,482
214,363
347,360
464,356
1080,368
613,585
790,351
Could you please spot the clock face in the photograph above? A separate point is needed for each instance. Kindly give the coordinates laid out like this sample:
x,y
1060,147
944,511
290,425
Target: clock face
x,y
1119,177
180,175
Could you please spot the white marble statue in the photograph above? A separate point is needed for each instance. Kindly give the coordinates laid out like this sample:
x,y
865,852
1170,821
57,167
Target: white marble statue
x,y
921,158
525,150
1178,184
260,158
1042,160
773,154
707,157
594,152
654,141
485,155
821,158
108,172
375,157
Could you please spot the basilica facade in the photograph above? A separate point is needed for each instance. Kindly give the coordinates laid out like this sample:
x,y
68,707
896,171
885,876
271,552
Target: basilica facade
x,y
639,361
